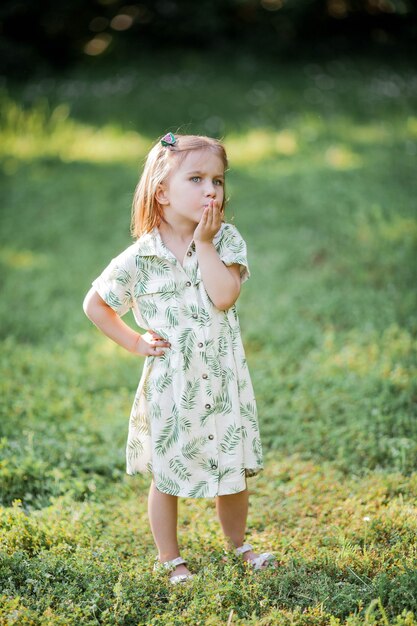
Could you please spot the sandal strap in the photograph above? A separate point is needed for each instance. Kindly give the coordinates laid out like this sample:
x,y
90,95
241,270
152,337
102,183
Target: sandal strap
x,y
180,578
260,560
245,548
171,565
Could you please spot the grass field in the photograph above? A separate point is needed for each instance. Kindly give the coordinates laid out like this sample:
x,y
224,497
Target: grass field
x,y
322,185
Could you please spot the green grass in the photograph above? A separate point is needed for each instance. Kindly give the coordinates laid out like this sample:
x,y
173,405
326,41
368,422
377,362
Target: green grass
x,y
322,185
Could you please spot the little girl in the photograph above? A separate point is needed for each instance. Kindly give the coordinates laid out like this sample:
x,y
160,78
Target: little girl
x,y
193,423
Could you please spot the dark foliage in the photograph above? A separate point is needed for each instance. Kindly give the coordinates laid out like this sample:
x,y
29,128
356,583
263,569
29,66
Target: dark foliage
x,y
58,33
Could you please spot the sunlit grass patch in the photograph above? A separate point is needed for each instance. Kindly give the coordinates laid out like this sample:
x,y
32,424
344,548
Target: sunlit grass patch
x,y
377,133
391,356
342,158
411,126
260,144
340,543
42,131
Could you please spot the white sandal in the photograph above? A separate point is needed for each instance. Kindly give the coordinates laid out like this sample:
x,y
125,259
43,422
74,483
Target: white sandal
x,y
171,565
257,562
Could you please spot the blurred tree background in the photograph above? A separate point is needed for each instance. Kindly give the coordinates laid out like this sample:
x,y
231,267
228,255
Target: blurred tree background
x,y
57,33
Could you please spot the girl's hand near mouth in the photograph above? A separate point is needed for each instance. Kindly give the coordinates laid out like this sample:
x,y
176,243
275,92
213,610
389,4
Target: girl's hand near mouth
x,y
210,222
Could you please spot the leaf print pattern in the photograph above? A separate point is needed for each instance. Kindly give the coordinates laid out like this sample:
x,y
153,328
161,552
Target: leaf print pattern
x,y
112,300
232,249
163,381
135,448
186,341
192,449
168,435
179,468
248,410
235,489
203,318
209,466
190,311
228,375
147,391
148,308
200,490
214,365
257,448
223,346
155,412
242,384
226,471
231,439
144,271
189,395
221,405
123,276
194,275
169,290
139,423
167,485
235,336
193,422
184,422
171,315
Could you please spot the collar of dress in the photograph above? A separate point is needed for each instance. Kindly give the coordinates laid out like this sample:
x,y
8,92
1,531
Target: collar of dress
x,y
151,244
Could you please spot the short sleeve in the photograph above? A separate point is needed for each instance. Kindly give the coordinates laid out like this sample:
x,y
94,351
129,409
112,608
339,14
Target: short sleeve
x,y
232,249
115,283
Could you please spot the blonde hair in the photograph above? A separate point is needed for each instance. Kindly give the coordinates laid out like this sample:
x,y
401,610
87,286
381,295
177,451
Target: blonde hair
x,y
161,160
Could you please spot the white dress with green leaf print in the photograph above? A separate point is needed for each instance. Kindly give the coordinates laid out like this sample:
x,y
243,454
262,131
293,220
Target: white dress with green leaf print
x,y
193,423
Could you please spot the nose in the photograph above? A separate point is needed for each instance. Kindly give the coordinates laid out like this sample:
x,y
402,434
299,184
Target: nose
x,y
210,190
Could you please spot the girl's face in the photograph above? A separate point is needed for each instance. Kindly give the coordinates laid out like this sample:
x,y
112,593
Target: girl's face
x,y
191,186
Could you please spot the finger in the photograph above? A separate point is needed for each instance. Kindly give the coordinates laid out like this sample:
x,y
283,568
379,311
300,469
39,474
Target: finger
x,y
217,210
217,207
161,343
216,216
205,220
156,350
157,337
211,215
162,340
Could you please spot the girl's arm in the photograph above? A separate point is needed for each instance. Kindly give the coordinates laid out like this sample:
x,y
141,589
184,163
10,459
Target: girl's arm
x,y
107,320
222,282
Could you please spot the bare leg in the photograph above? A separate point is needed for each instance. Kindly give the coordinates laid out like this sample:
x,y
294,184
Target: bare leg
x,y
232,511
163,515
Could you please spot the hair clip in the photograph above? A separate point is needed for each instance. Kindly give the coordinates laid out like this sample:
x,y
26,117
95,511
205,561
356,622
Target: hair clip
x,y
168,140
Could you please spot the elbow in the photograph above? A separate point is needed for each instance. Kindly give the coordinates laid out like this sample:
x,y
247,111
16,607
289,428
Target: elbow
x,y
95,307
86,309
88,306
224,305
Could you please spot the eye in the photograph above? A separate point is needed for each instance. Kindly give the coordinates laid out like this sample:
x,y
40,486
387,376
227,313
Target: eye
x,y
194,177
219,182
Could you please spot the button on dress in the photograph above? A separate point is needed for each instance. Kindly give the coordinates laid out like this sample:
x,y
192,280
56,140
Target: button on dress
x,y
193,424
